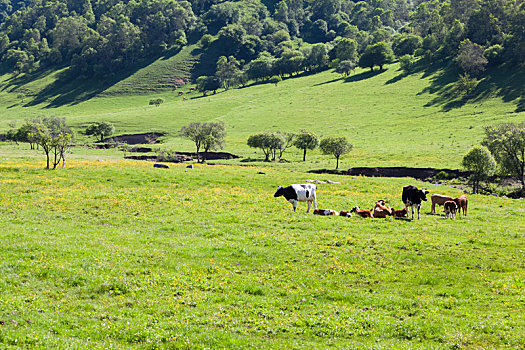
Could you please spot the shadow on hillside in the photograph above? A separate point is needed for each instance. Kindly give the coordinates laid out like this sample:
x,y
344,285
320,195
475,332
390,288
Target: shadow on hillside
x,y
501,82
363,76
329,81
504,82
71,90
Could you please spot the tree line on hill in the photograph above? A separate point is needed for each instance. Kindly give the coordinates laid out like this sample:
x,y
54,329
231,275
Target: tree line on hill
x,y
260,37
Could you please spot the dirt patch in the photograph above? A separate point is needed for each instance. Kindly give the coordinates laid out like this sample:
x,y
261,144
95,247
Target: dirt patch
x,y
210,155
136,139
417,173
180,157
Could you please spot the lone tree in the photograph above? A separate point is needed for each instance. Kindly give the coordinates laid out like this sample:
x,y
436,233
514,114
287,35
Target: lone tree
x,y
213,137
208,136
54,136
506,142
377,54
207,83
100,129
287,139
481,163
345,67
268,142
336,146
306,140
25,133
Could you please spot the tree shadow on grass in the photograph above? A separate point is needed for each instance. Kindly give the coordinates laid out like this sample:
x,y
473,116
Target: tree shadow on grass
x,y
363,76
329,81
504,82
397,78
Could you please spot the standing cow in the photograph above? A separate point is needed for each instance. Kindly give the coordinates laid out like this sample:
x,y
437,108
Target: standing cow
x,y
450,209
438,199
412,197
462,202
298,193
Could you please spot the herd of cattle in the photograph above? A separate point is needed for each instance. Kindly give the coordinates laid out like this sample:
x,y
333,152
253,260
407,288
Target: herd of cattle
x,y
412,197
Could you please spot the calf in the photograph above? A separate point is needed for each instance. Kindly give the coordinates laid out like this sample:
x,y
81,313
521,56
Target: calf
x,y
438,199
324,212
362,213
412,197
298,193
402,213
450,209
462,202
345,214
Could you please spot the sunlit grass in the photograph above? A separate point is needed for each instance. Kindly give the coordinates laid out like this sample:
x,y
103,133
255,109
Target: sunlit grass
x,y
122,255
390,121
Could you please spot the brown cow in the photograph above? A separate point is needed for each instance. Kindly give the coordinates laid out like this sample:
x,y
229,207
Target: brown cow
x,y
381,210
362,213
345,213
402,213
438,199
450,209
462,202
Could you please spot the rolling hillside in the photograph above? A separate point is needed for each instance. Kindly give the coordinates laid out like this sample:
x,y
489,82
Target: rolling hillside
x,y
391,119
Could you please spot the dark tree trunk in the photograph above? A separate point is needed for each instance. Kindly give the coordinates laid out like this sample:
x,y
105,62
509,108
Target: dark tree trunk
x,y
304,155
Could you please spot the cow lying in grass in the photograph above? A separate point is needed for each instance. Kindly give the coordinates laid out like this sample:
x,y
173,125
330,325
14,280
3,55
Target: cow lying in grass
x,y
362,213
402,213
438,199
298,193
345,213
381,210
324,212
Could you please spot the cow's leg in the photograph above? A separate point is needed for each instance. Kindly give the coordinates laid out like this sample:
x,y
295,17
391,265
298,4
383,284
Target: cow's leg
x,y
412,209
315,202
309,205
418,207
294,203
465,210
433,208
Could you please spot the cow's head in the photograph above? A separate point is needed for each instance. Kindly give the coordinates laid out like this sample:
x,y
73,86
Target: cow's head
x,y
280,192
423,194
354,209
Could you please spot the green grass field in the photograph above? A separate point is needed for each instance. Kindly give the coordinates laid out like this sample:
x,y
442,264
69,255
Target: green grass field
x,y
116,254
121,255
392,120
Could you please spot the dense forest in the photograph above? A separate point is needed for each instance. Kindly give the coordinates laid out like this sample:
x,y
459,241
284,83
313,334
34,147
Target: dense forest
x,y
259,39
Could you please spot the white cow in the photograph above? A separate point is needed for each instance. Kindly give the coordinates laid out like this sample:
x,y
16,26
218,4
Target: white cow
x,y
298,193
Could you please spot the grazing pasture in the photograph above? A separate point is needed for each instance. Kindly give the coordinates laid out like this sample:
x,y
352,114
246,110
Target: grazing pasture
x,y
391,119
121,255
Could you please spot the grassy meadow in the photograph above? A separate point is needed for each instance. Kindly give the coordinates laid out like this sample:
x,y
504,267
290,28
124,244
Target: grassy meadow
x,y
121,255
391,119
114,254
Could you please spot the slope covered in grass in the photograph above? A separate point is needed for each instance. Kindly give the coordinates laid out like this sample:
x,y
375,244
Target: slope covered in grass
x,y
392,119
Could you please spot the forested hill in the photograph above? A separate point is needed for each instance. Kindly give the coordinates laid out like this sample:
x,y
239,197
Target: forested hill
x,y
259,38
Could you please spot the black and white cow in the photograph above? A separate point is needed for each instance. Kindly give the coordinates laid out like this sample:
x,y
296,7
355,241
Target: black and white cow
x,y
298,193
412,197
